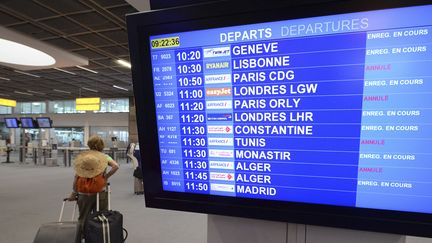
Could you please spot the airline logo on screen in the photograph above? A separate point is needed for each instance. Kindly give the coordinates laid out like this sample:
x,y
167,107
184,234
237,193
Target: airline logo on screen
x,y
220,129
221,153
221,141
223,165
217,65
219,104
218,79
217,52
219,117
221,176
218,91
222,187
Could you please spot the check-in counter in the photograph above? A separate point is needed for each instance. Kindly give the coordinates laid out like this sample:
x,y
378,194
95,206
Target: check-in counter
x,y
70,152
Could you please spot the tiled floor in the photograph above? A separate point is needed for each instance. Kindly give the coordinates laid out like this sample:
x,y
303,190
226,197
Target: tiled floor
x,y
31,195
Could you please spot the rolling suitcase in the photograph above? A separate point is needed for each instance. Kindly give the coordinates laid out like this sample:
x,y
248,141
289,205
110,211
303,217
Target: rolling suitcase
x,y
138,186
104,226
60,231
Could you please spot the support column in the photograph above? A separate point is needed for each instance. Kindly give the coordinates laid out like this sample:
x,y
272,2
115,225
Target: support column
x,y
222,229
133,131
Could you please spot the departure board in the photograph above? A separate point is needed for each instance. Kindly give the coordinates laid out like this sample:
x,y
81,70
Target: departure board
x,y
328,110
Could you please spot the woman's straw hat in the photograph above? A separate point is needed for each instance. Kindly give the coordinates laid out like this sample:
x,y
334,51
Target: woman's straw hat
x,y
90,163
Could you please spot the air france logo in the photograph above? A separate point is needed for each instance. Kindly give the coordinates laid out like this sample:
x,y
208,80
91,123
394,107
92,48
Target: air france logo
x,y
219,104
221,176
221,187
218,92
220,129
224,165
221,153
219,117
218,79
221,141
217,52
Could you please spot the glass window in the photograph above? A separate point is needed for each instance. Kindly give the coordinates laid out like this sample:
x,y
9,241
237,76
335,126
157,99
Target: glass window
x,y
114,105
56,107
69,136
107,133
38,107
63,106
31,108
104,106
5,110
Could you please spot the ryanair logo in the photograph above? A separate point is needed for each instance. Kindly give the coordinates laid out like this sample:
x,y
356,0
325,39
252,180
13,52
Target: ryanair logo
x,y
217,65
217,52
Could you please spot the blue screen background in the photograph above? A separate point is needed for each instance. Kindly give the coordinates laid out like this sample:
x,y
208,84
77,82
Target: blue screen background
x,y
329,110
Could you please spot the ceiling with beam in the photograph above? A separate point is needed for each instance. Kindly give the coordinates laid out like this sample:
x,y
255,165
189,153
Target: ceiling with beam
x,y
93,29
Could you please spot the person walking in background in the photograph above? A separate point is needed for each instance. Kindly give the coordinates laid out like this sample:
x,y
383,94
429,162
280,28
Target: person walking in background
x,y
91,177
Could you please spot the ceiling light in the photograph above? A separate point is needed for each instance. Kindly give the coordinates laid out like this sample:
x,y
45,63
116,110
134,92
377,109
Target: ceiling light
x,y
1,94
65,71
61,91
19,54
124,63
24,93
86,69
5,79
118,87
35,92
28,74
92,90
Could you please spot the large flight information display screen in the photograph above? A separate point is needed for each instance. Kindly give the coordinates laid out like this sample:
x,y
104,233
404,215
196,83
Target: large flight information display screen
x,y
332,110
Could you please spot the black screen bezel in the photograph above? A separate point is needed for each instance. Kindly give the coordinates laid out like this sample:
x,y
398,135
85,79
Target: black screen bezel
x,y
221,14
12,118
40,118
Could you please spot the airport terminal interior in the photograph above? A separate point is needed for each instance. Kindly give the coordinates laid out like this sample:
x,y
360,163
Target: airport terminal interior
x,y
257,124
87,39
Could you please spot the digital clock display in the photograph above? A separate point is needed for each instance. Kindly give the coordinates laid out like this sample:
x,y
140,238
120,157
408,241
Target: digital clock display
x,y
165,42
331,110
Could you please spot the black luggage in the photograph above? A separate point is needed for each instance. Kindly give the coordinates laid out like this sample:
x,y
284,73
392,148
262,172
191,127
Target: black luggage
x,y
59,232
104,226
138,186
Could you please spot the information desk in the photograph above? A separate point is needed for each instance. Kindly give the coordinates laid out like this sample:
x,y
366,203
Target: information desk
x,y
69,152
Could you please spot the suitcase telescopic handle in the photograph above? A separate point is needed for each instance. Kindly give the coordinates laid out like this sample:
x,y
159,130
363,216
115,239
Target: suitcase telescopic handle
x,y
109,198
62,210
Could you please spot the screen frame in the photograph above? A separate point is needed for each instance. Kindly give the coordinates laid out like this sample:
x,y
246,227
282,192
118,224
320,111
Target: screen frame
x,y
40,118
22,123
223,14
12,118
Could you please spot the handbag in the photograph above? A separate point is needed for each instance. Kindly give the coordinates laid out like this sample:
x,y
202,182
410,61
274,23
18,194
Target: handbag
x,y
138,173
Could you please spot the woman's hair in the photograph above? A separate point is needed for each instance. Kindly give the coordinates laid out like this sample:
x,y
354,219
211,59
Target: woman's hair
x,y
96,143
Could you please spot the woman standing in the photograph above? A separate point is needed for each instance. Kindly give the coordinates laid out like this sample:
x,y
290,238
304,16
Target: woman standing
x,y
91,177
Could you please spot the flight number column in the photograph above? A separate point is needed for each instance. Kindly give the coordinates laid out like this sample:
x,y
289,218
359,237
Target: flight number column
x,y
190,91
165,87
